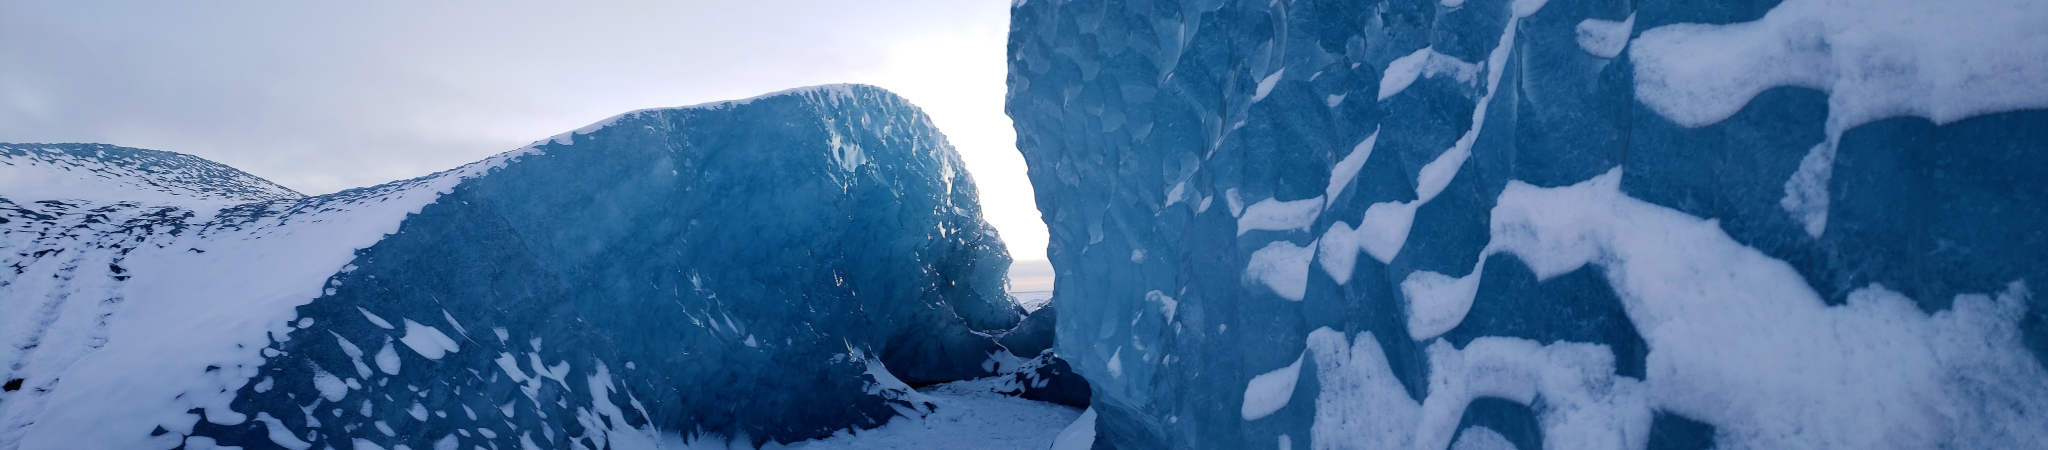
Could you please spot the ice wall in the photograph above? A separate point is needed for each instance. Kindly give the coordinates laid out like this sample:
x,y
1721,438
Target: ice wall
x,y
1562,224
770,269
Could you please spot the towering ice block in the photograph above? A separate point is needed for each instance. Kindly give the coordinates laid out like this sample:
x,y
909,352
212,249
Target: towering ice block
x,y
770,269
1546,224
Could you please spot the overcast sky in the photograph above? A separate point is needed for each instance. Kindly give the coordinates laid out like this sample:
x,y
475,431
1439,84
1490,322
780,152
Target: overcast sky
x,y
324,96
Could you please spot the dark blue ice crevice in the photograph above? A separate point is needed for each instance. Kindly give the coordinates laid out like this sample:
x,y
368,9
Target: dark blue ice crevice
x,y
1675,432
1514,421
1574,307
771,269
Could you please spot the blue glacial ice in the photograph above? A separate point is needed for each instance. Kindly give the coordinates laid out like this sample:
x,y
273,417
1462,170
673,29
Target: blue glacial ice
x,y
765,270
1544,224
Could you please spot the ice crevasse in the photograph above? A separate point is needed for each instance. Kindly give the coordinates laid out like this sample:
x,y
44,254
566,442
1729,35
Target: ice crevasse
x,y
750,272
1544,224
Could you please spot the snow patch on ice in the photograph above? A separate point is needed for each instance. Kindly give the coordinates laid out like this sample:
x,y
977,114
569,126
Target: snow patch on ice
x,y
428,341
1116,363
1806,192
1267,393
1585,406
1605,39
387,359
1282,267
1347,169
280,435
1272,214
1875,58
375,320
1384,228
1481,438
1426,62
1361,404
1266,85
1167,305
1437,302
1724,323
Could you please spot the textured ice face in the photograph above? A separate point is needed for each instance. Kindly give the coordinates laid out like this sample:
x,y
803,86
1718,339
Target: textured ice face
x,y
1562,224
768,269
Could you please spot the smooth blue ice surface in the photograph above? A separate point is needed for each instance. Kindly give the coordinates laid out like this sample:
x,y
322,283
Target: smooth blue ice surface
x,y
731,270
1441,209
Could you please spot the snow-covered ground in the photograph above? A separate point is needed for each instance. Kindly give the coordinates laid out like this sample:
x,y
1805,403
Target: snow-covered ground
x,y
1032,300
970,415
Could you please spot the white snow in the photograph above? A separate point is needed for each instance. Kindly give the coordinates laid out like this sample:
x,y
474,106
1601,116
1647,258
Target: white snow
x,y
1272,214
330,386
1266,85
140,361
1806,192
1167,305
1481,438
451,322
374,319
1234,201
1585,406
1266,393
279,434
1282,267
969,415
1605,39
32,172
1033,300
1337,252
1426,62
1738,340
355,355
1347,169
1437,302
1361,404
1384,228
1116,363
1944,61
1079,435
428,341
387,359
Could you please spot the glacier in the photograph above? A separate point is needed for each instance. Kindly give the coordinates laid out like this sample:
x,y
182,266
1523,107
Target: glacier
x,y
752,272
1535,224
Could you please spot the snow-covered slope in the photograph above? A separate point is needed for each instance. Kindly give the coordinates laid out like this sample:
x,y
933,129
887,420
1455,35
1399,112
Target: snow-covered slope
x,y
1545,224
105,173
130,315
771,269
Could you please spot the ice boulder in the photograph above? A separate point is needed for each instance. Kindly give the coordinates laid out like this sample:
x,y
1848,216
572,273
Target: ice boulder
x,y
763,270
1029,367
1546,224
